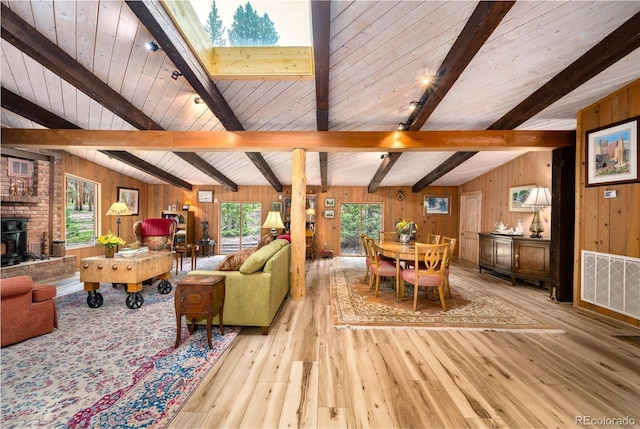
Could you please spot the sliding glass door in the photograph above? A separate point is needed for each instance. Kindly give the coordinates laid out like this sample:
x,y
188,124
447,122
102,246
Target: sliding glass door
x,y
356,219
239,226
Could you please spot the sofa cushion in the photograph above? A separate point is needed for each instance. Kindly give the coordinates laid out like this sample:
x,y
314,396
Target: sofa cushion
x,y
233,261
285,237
256,261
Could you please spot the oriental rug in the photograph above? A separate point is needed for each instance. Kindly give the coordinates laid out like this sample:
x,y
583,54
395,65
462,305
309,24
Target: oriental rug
x,y
355,306
109,367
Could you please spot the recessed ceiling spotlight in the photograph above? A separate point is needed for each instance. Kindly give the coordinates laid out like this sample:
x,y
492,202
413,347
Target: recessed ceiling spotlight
x,y
152,46
175,74
426,80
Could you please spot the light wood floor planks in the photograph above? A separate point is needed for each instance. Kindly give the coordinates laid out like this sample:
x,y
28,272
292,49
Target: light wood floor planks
x,y
306,373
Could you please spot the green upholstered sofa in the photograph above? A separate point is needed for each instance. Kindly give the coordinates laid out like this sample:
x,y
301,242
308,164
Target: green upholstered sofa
x,y
255,292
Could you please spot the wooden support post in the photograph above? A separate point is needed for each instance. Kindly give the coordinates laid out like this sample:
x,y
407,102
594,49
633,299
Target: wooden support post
x,y
298,224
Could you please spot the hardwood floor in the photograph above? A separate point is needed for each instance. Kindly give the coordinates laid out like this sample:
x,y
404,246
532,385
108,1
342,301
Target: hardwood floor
x,y
306,373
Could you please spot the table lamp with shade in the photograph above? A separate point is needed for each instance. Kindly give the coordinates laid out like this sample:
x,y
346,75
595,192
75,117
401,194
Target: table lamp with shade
x,y
273,221
118,209
538,199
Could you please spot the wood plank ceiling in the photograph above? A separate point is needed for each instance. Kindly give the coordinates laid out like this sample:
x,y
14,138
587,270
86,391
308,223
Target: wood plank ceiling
x,y
523,65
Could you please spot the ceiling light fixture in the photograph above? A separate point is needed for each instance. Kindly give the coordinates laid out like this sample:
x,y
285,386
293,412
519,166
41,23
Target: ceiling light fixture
x,y
402,126
152,46
414,104
198,100
175,74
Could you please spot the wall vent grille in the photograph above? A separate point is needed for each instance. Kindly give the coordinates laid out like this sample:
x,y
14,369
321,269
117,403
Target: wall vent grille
x,y
611,281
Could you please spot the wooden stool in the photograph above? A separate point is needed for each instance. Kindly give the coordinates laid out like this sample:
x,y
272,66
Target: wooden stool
x,y
197,297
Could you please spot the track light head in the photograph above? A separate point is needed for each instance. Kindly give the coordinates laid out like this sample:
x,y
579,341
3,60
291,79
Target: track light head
x,y
198,100
152,46
403,125
175,74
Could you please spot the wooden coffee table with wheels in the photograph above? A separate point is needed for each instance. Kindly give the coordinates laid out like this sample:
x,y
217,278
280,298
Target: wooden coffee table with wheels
x,y
199,297
131,271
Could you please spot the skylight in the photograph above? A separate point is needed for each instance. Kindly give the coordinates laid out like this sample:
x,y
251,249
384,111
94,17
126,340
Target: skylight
x,y
248,39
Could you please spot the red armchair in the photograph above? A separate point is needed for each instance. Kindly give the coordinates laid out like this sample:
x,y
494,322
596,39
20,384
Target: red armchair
x,y
28,309
156,234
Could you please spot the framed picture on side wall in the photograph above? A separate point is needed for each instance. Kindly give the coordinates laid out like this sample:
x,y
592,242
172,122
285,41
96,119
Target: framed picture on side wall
x,y
131,197
517,196
436,204
612,154
205,196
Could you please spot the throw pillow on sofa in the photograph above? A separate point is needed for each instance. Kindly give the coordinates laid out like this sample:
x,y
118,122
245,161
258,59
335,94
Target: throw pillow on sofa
x,y
256,261
233,261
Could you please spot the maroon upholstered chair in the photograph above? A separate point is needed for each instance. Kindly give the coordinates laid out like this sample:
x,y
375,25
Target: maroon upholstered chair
x,y
156,234
28,309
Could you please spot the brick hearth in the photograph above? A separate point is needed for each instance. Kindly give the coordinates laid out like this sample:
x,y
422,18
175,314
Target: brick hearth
x,y
53,268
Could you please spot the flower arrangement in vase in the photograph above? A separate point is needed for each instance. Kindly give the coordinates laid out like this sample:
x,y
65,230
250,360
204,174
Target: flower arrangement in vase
x,y
110,242
406,229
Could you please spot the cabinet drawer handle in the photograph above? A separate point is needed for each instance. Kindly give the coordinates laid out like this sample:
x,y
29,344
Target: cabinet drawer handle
x,y
517,257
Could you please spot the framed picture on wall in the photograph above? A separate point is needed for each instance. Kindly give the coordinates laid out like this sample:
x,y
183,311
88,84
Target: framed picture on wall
x,y
276,206
329,202
612,154
437,204
329,214
205,196
131,197
517,196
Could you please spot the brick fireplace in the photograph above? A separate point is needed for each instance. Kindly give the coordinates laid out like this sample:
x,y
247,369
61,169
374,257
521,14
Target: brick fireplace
x,y
43,215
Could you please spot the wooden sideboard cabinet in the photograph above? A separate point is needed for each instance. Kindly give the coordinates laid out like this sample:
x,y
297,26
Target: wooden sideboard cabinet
x,y
515,256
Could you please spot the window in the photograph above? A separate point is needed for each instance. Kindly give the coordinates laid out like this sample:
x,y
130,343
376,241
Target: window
x,y
239,226
356,219
264,39
81,213
20,168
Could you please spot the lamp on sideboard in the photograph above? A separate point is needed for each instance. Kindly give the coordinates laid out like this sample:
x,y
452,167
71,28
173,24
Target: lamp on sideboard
x,y
273,221
118,209
538,199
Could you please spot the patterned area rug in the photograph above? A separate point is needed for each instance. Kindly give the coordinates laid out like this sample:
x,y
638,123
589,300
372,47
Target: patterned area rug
x,y
354,306
107,367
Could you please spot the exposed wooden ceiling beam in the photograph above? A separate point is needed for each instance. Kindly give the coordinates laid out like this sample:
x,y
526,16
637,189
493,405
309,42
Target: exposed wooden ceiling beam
x,y
41,49
135,162
452,162
280,141
617,45
157,21
208,169
485,19
482,23
37,114
25,108
27,39
384,168
321,24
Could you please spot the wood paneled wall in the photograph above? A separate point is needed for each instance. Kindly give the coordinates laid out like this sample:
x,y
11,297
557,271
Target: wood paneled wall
x,y
606,225
110,181
532,168
327,230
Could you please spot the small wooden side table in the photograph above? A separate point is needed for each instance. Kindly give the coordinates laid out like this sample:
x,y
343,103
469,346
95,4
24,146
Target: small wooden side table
x,y
197,297
191,249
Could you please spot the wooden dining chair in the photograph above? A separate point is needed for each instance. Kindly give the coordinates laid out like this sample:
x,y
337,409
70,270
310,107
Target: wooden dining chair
x,y
430,273
433,238
368,257
452,245
388,235
379,267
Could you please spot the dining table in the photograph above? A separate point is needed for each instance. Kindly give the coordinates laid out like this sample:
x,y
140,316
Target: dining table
x,y
400,252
